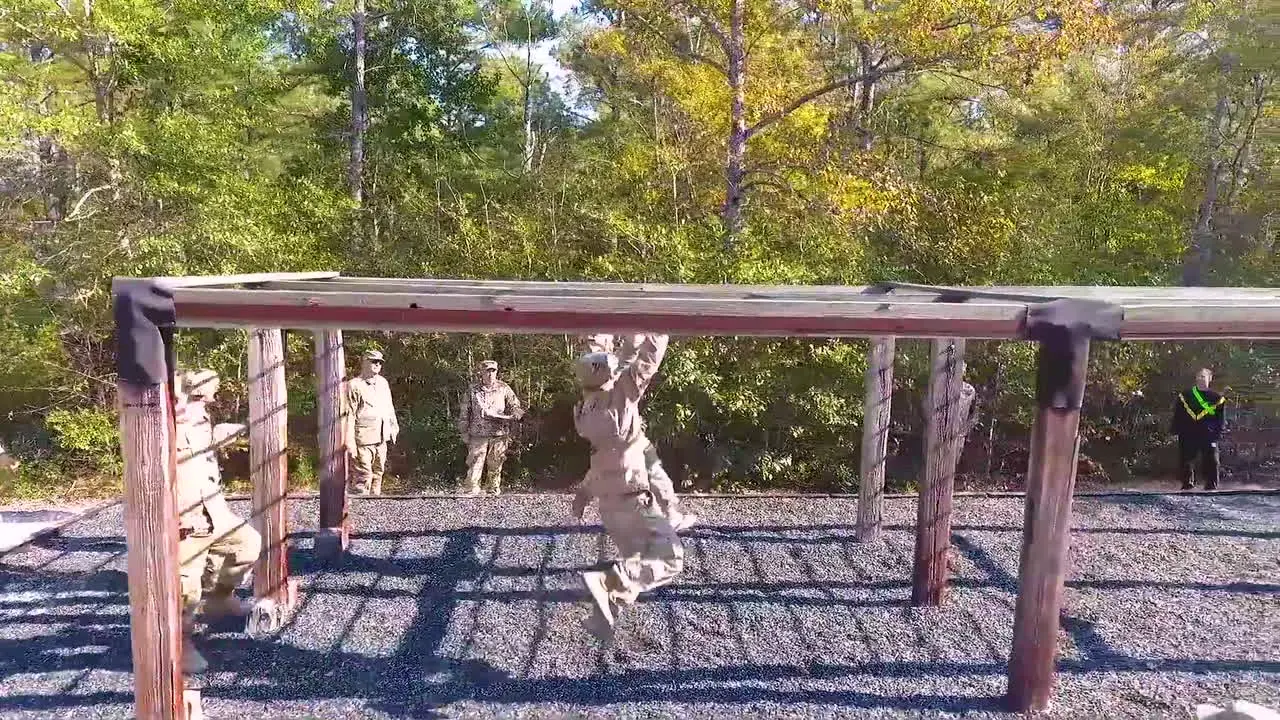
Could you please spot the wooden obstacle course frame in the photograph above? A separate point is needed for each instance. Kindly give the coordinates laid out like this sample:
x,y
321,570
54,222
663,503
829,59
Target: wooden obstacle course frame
x,y
1061,319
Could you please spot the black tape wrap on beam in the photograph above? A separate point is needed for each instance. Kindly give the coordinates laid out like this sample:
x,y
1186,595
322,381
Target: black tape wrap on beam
x,y
145,319
1064,328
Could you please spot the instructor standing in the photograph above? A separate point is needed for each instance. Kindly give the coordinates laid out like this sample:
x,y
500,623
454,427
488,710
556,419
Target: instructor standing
x,y
484,421
369,398
1199,417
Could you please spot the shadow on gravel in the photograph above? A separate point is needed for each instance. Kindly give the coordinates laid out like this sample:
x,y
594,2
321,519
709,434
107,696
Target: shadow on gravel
x,y
74,623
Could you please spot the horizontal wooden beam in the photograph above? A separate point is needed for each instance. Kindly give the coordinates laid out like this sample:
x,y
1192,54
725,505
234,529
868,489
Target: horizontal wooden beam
x,y
587,289
198,281
656,293
1108,293
686,314
575,314
905,291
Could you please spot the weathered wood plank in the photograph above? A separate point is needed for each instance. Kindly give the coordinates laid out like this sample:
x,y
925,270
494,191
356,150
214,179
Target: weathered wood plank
x,y
685,314
195,281
330,369
945,414
875,437
151,538
1046,529
268,463
568,314
1119,294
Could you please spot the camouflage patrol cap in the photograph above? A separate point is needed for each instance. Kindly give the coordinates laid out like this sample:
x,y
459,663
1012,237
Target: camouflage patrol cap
x,y
489,365
373,355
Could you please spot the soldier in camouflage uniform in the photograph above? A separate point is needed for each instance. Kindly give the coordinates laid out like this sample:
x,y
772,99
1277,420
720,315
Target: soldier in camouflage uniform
x,y
375,424
484,421
664,491
650,554
216,547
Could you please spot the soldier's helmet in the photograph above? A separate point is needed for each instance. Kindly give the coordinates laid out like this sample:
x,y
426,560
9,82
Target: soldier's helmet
x,y
201,384
596,369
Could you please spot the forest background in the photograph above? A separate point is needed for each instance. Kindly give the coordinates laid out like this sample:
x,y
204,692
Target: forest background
x,y
745,141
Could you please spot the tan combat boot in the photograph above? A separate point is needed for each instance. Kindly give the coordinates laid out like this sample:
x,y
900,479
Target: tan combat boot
x,y
600,624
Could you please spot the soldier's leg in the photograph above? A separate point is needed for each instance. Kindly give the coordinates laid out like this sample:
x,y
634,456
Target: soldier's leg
x,y
238,549
654,554
477,450
1186,456
650,555
1209,467
495,456
379,466
664,491
362,469
192,554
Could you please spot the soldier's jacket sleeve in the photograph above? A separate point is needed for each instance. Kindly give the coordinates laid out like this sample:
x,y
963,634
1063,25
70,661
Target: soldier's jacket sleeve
x,y
638,361
354,399
464,410
514,408
391,409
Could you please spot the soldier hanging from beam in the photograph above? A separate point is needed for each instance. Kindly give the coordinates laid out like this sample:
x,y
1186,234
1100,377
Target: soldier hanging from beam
x,y
650,554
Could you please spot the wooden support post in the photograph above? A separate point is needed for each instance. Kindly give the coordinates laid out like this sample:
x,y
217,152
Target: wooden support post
x,y
1063,329
875,437
946,413
333,534
144,324
268,464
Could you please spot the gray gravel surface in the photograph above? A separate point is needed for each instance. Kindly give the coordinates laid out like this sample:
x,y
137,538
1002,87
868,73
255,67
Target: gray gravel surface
x,y
472,608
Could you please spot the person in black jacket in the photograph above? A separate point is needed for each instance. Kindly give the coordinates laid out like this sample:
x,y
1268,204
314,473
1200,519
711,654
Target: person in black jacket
x,y
1199,417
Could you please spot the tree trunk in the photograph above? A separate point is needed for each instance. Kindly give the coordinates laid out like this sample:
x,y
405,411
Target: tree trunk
x,y
1200,250
529,140
866,98
736,157
359,113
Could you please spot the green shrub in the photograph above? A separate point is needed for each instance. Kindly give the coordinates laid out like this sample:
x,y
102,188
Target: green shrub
x,y
89,436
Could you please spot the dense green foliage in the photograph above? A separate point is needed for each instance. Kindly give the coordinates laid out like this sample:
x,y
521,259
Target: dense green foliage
x,y
753,141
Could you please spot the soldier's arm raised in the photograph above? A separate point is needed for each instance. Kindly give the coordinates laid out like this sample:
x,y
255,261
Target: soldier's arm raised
x,y
645,353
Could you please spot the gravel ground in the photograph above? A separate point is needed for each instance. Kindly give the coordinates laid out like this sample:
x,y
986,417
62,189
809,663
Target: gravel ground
x,y
471,608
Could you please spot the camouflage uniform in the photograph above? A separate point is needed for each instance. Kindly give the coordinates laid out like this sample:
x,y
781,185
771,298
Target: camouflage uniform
x,y
660,484
216,547
375,424
484,421
650,554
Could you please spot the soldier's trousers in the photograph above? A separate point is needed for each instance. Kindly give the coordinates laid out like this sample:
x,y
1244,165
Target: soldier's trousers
x,y
486,453
664,490
370,461
216,563
650,553
1191,449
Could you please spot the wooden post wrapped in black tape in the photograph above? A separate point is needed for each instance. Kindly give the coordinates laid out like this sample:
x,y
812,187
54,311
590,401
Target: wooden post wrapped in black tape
x,y
145,319
1063,328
